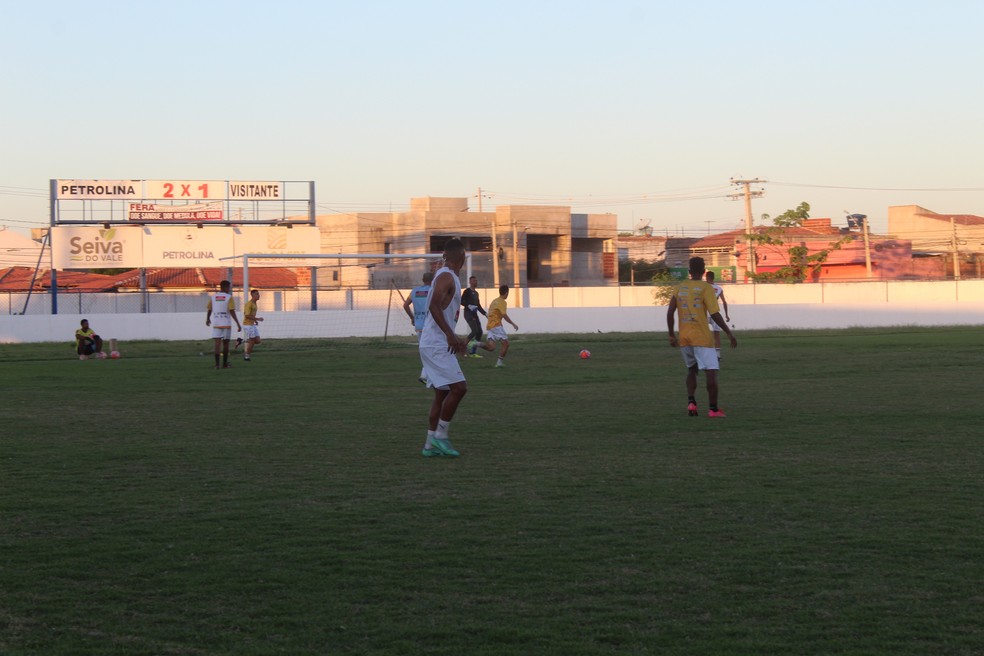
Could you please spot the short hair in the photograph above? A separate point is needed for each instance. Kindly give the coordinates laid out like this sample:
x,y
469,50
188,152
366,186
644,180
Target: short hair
x,y
223,284
503,289
454,245
696,265
709,275
254,291
83,321
428,277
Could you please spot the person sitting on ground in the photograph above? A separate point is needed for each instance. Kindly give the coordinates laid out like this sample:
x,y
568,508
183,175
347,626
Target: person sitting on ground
x,y
87,342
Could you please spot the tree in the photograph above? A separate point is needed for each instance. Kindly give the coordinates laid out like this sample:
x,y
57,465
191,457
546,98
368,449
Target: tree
x,y
801,265
792,218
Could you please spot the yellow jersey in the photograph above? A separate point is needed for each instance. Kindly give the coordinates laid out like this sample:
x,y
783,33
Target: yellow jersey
x,y
696,301
83,335
248,312
497,309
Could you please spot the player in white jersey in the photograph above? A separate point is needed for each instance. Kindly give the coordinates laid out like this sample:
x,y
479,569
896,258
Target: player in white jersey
x,y
220,315
719,293
439,348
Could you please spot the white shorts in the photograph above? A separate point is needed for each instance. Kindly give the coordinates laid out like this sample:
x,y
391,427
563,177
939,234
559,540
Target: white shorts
x,y
251,332
222,333
498,334
705,357
714,327
440,367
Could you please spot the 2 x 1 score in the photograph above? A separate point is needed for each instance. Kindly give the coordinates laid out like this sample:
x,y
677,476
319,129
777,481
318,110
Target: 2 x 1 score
x,y
185,189
211,189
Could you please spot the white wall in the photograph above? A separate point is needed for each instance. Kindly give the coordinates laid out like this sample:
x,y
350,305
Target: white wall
x,y
574,310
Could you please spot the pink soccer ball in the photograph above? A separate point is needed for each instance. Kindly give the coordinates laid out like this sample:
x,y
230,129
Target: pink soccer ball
x,y
585,354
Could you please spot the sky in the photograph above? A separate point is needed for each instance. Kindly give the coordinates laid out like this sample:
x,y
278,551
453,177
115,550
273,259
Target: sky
x,y
643,109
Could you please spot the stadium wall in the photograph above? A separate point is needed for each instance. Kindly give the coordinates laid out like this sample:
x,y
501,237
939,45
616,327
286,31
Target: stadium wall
x,y
566,310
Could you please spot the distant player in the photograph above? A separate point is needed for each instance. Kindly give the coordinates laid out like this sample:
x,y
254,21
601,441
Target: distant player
x,y
87,342
694,300
439,346
497,314
722,302
222,308
251,328
472,306
418,300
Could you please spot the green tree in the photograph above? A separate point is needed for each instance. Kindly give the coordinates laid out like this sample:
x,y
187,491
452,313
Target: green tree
x,y
639,270
664,286
801,265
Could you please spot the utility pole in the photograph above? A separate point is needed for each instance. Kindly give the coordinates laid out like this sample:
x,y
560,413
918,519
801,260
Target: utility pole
x,y
515,237
748,195
495,245
956,250
867,248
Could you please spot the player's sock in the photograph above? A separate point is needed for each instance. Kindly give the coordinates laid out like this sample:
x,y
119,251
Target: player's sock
x,y
691,399
442,429
429,444
713,407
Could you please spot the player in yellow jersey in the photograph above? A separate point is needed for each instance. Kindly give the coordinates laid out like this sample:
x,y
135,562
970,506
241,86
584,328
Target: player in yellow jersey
x,y
497,314
251,327
695,300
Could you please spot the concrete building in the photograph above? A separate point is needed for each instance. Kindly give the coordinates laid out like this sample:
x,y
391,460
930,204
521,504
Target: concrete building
x,y
517,245
940,239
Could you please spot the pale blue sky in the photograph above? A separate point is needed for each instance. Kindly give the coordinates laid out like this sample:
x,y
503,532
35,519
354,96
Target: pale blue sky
x,y
593,104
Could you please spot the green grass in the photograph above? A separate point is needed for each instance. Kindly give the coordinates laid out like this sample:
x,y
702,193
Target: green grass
x,y
152,505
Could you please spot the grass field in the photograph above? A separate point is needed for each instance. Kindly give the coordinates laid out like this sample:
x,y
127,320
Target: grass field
x,y
152,505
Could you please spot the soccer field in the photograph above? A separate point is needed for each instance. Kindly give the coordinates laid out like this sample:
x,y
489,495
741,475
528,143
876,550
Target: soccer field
x,y
152,505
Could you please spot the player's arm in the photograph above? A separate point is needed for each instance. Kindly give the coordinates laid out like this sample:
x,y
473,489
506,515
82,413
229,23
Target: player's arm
x,y
724,303
506,317
406,305
444,290
208,314
671,320
716,318
250,316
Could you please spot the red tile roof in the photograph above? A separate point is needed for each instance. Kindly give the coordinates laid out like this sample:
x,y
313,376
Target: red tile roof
x,y
810,228
18,279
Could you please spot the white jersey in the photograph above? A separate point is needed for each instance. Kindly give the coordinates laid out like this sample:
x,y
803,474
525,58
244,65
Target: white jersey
x,y
710,322
220,310
432,335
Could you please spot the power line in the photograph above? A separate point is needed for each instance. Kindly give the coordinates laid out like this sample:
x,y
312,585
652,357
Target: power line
x,y
927,189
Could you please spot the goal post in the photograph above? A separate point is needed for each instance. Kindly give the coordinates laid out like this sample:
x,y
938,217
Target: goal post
x,y
350,294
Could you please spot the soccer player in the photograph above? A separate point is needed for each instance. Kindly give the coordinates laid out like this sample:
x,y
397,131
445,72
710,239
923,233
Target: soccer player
x,y
722,302
497,314
439,346
87,342
251,328
418,298
694,300
473,307
222,308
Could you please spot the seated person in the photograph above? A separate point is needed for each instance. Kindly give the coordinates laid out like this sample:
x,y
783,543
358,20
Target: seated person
x,y
87,342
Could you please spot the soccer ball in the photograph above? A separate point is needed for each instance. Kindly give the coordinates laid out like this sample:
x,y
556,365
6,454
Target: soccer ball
x,y
585,354
115,355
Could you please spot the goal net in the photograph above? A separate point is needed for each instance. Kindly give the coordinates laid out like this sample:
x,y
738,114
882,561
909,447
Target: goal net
x,y
340,295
